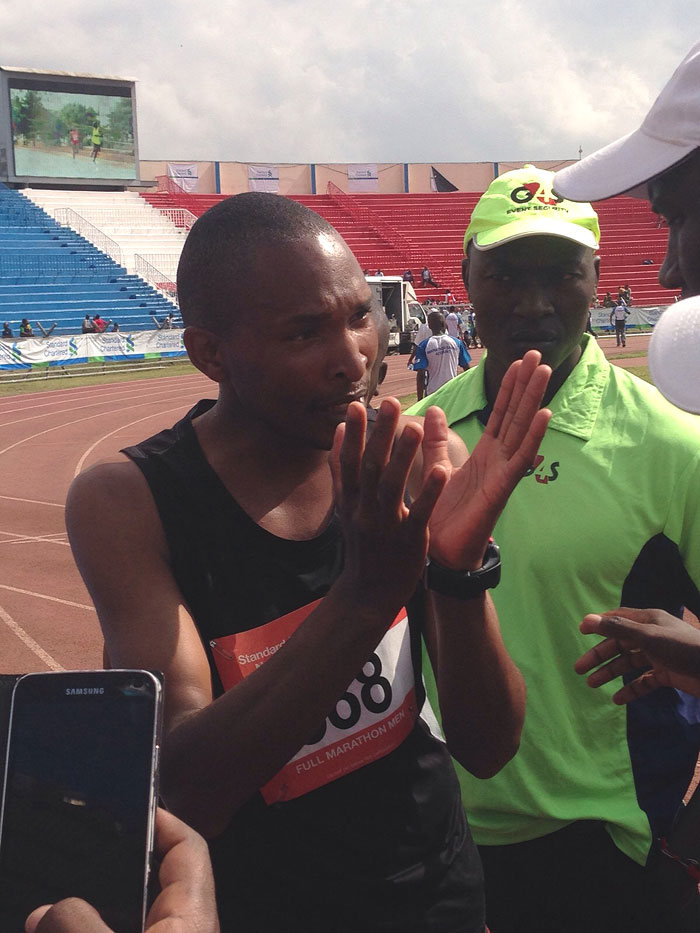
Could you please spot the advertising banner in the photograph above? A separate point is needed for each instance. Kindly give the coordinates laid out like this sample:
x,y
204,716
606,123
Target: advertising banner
x,y
184,174
639,318
37,352
363,177
264,178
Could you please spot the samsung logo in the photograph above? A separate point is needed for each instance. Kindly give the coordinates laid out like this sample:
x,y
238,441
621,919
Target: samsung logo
x,y
83,691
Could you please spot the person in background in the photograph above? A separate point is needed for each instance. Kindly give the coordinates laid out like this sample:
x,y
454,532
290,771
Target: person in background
x,y
6,330
25,328
660,161
618,318
566,831
87,326
438,358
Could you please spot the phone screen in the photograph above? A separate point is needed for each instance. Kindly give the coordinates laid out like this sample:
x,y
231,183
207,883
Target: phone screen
x,y
79,795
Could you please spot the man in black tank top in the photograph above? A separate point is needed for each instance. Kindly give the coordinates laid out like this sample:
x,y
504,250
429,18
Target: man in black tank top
x,y
283,599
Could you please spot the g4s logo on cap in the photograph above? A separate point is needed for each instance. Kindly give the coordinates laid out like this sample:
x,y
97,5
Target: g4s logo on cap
x,y
525,193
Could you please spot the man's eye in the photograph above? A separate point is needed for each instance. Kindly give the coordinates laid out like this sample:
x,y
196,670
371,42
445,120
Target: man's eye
x,y
500,277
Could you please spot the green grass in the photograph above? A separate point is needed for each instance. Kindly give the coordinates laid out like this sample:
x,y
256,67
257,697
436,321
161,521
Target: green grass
x,y
408,400
641,371
34,384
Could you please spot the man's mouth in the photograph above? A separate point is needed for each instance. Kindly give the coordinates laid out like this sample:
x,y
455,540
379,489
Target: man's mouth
x,y
341,403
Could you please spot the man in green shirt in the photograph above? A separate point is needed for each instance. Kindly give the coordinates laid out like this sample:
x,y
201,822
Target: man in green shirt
x,y
607,516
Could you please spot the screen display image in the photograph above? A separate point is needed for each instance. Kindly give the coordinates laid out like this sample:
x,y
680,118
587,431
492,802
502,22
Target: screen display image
x,y
65,134
78,798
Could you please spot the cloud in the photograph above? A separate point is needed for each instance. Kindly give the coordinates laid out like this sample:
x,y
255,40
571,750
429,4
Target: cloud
x,y
388,80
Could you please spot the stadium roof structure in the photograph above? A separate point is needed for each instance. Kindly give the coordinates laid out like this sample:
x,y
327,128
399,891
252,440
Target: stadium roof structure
x,y
68,74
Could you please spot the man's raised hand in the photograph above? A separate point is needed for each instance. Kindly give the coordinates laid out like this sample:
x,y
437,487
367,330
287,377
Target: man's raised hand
x,y
476,493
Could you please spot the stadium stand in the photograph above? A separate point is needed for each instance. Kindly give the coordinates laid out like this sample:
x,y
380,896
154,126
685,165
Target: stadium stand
x,y
49,273
399,231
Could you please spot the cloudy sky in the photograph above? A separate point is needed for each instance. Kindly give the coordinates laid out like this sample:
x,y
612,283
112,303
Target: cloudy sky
x,y
361,81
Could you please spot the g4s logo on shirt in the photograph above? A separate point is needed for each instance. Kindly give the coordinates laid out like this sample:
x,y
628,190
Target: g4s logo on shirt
x,y
541,474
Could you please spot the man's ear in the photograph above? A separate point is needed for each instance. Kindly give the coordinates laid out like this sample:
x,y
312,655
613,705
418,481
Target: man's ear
x,y
204,350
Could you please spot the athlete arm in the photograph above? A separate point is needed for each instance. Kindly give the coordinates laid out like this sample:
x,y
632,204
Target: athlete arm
x,y
217,753
481,691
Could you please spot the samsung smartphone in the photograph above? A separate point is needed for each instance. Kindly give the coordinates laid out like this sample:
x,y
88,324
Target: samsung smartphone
x,y
80,794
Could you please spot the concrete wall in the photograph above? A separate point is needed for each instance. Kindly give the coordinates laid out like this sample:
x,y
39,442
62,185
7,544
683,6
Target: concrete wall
x,y
297,178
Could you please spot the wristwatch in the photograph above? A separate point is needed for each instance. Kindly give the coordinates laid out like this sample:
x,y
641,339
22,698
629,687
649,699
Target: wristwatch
x,y
465,584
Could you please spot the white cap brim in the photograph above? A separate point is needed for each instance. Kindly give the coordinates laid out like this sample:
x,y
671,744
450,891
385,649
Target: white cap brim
x,y
622,167
674,352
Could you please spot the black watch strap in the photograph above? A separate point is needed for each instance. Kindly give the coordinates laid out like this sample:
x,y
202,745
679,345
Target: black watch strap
x,y
465,584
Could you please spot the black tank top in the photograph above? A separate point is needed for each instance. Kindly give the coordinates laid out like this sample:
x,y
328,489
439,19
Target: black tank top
x,y
384,846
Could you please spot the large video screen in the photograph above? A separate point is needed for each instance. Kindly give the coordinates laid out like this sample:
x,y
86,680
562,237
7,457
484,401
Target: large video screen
x,y
66,134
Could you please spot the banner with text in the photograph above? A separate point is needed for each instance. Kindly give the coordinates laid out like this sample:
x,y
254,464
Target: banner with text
x,y
37,352
363,177
639,318
185,175
264,178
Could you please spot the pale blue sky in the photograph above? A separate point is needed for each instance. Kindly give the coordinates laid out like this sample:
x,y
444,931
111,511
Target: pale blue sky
x,y
354,80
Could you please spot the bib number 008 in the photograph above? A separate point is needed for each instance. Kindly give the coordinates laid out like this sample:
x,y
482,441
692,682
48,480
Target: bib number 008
x,y
348,709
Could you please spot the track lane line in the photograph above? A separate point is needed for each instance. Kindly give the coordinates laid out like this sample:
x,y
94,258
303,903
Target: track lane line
x,y
53,599
29,642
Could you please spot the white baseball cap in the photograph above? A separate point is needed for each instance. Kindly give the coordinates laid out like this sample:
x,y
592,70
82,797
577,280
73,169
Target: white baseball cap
x,y
674,351
669,133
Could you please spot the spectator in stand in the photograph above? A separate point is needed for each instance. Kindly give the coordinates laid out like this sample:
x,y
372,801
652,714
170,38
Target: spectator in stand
x,y
99,324
427,278
438,357
6,330
115,327
25,328
88,327
379,272
449,297
608,301
408,276
627,295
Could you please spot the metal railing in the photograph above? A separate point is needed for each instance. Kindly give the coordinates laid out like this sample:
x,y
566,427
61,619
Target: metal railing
x,y
179,216
407,251
183,198
122,217
164,282
69,218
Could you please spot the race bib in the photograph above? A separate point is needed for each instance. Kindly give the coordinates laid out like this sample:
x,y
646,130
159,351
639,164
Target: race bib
x,y
371,719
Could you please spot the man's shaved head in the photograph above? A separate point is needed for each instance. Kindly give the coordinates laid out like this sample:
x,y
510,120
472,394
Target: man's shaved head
x,y
217,265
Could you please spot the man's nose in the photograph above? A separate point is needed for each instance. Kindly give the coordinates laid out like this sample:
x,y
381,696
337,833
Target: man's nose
x,y
533,300
349,357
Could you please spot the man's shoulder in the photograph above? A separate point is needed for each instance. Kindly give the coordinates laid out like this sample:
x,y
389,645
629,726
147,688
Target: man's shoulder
x,y
458,398
643,401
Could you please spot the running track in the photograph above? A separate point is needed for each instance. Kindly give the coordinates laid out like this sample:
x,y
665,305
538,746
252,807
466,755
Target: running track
x,y
46,619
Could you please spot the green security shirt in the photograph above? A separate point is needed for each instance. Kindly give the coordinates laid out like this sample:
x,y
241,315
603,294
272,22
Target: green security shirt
x,y
609,516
